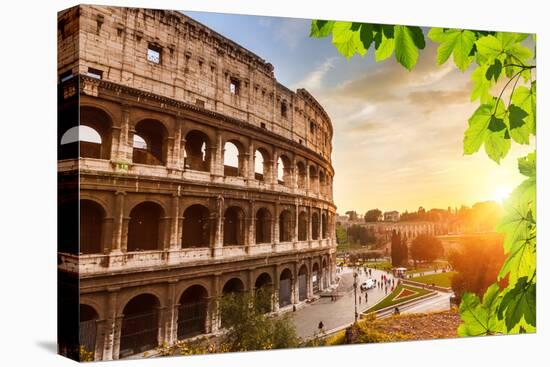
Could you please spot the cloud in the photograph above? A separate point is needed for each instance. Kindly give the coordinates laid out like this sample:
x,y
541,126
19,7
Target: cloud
x,y
431,100
313,81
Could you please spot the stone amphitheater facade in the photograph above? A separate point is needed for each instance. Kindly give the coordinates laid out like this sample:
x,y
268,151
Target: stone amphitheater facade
x,y
156,219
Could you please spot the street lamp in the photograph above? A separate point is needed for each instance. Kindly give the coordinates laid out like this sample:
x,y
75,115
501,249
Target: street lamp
x,y
355,293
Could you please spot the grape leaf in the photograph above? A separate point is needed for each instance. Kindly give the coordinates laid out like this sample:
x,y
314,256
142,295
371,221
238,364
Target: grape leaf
x,y
525,98
521,260
517,120
489,47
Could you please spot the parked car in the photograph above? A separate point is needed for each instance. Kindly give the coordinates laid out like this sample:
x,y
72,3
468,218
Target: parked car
x,y
368,284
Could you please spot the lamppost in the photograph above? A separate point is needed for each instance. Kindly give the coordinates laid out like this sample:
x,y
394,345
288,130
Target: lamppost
x,y
355,292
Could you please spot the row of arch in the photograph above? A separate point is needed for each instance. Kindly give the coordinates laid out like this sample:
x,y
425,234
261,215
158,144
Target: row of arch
x,y
195,311
147,225
150,145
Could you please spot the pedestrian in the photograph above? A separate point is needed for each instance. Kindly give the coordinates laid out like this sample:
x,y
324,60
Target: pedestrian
x,y
321,326
386,289
359,299
396,311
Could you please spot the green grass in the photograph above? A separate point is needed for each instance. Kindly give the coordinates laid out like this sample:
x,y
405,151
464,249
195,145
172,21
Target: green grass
x,y
439,279
389,300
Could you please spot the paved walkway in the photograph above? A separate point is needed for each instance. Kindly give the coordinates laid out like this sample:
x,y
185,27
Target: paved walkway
x,y
337,313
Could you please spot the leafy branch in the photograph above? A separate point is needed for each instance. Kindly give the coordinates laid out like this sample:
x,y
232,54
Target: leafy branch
x,y
493,125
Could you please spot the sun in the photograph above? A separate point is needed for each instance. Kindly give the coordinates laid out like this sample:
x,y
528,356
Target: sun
x,y
501,194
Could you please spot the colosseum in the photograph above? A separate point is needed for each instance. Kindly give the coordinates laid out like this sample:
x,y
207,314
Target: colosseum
x,y
185,172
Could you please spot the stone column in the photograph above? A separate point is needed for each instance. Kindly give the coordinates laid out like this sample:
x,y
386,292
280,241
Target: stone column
x,y
276,234
110,328
216,166
244,160
251,226
296,223
276,285
121,147
174,243
217,219
251,173
309,278
274,170
175,142
171,322
213,305
309,223
308,187
107,230
119,233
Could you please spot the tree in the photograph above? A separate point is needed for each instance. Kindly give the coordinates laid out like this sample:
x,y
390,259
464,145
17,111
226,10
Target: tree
x,y
373,215
477,262
352,214
505,61
341,235
426,248
399,250
249,328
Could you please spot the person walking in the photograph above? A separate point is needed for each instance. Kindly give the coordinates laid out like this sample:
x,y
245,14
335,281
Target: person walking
x,y
320,326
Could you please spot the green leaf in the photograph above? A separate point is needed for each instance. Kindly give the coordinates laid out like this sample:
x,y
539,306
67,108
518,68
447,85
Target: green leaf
x,y
519,129
521,260
493,72
519,302
518,221
346,41
321,28
406,51
454,41
482,85
385,48
418,37
525,98
486,127
480,318
366,35
528,165
489,47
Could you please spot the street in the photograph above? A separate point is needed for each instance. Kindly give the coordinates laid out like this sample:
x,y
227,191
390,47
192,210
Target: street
x,y
340,312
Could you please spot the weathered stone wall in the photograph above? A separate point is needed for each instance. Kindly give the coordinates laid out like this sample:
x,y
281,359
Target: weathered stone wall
x,y
197,65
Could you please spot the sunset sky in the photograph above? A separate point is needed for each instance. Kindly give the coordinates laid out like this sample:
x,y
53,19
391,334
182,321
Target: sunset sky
x,y
397,134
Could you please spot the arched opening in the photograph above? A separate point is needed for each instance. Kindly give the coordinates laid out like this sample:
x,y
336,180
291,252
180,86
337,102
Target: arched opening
x,y
91,223
315,278
263,293
324,226
196,148
263,226
196,227
233,227
285,288
90,139
302,226
302,283
150,143
233,285
88,327
301,175
144,232
192,311
232,161
140,325
261,167
313,179
285,226
315,226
